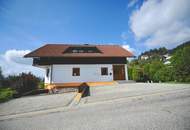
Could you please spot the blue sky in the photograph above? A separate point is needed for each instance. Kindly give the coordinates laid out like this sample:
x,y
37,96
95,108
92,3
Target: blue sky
x,y
28,24
136,25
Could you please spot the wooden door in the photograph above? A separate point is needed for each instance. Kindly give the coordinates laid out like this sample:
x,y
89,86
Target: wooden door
x,y
118,72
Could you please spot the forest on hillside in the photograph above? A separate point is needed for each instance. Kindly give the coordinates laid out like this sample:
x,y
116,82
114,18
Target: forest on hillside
x,y
154,69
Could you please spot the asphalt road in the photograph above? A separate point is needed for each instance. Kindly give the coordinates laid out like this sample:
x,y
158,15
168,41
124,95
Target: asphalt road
x,y
104,93
35,103
161,111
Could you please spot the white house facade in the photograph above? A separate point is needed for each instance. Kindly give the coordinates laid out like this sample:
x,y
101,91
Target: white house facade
x,y
81,63
87,73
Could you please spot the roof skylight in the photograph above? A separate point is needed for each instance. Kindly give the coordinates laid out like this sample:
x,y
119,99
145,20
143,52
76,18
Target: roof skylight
x,y
82,50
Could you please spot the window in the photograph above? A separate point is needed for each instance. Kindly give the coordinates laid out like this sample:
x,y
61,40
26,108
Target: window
x,y
104,71
90,51
80,51
76,71
47,72
83,49
74,51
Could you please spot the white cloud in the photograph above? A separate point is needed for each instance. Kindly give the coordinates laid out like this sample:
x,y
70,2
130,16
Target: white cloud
x,y
132,3
12,62
162,22
17,56
127,47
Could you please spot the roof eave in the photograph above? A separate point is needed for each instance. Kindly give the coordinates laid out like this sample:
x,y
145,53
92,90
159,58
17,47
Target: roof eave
x,y
27,56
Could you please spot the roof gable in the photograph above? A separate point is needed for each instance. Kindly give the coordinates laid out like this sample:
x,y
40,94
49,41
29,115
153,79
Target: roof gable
x,y
57,50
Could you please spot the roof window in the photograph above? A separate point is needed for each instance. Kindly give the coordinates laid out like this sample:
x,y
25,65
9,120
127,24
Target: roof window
x,y
82,50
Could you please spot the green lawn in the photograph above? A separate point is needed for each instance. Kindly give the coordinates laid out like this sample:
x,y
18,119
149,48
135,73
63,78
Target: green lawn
x,y
5,94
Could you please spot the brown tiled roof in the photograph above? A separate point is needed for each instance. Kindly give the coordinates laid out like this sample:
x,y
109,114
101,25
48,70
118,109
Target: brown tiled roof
x,y
57,50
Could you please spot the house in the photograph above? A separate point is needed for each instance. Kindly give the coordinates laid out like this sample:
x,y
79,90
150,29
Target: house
x,y
144,57
166,59
65,63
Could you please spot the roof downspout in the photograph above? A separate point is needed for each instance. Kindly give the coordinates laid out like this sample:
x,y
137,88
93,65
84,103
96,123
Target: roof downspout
x,y
126,70
51,74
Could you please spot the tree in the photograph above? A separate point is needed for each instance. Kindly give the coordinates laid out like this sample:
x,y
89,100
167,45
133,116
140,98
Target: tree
x,y
22,83
137,73
162,51
1,77
26,82
130,71
164,74
146,68
146,71
181,64
153,68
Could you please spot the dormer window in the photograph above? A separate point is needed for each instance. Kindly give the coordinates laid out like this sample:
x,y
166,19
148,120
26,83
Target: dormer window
x,y
83,49
90,51
74,51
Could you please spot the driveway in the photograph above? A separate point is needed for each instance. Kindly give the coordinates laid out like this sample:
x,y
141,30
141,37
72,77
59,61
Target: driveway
x,y
35,103
104,93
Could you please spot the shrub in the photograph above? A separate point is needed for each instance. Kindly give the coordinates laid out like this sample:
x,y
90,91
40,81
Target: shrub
x,y
41,85
181,63
26,82
153,68
22,83
130,71
137,74
1,77
5,94
164,74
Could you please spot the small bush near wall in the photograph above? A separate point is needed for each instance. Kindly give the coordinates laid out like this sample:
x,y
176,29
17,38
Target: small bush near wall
x,y
5,94
41,85
130,71
22,83
26,82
